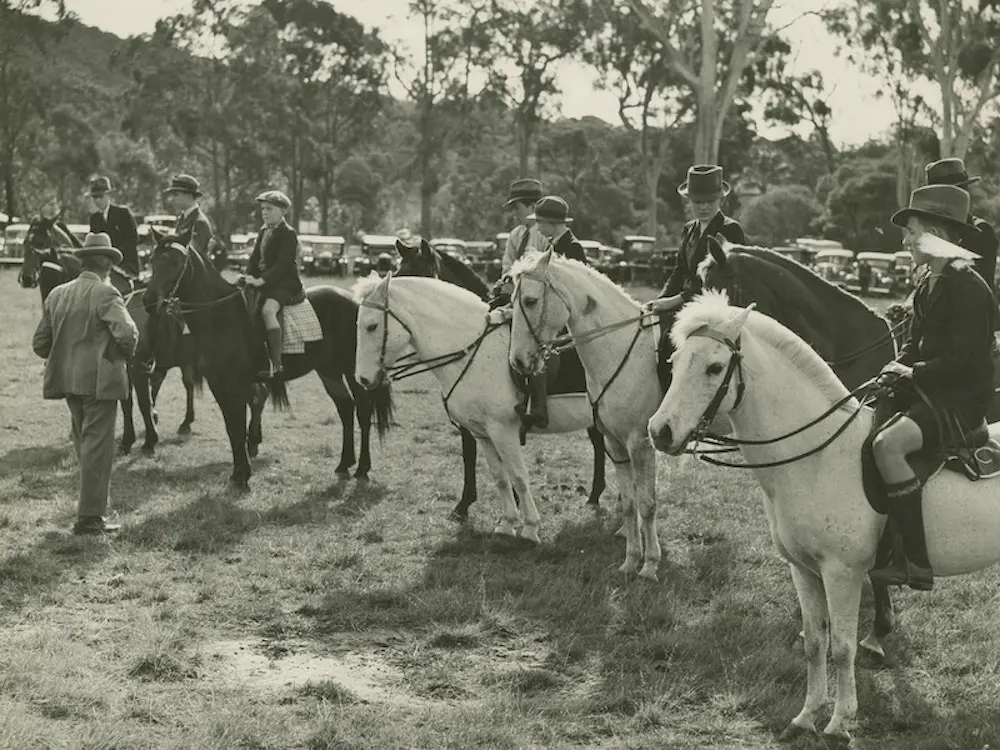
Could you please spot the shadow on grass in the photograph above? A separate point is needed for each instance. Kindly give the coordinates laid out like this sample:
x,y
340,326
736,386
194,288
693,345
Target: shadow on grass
x,y
33,458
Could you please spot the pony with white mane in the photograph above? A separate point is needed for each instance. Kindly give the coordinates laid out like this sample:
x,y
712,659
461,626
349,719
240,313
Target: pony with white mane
x,y
819,518
450,330
618,352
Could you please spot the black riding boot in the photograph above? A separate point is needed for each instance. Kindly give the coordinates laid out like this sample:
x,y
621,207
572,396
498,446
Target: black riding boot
x,y
534,412
906,509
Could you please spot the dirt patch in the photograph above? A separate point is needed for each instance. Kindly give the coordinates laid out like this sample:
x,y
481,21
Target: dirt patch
x,y
366,674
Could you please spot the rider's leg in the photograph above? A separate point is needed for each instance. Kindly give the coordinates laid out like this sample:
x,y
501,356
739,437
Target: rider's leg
x,y
890,448
272,330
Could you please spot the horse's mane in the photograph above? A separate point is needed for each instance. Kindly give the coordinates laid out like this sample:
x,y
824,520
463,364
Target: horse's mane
x,y
363,288
527,263
712,309
464,276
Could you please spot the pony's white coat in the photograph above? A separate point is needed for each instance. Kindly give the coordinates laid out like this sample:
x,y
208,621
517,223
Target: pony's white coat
x,y
819,518
553,292
445,318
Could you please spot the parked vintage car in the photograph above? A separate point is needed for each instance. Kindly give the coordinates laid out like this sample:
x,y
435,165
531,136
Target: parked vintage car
x,y
13,244
902,272
372,246
168,221
833,264
240,249
321,254
881,277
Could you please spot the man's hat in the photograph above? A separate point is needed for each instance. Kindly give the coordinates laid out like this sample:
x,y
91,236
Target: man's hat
x,y
704,183
100,186
523,190
551,208
183,183
949,171
947,204
275,198
98,244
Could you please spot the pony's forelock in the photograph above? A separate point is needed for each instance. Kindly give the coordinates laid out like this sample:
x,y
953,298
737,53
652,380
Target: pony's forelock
x,y
364,287
526,263
710,308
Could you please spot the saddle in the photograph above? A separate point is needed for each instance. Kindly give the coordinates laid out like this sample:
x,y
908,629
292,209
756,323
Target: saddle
x,y
971,452
564,375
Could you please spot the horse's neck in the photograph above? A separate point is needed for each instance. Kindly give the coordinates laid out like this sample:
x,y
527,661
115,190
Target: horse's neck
x,y
206,285
594,305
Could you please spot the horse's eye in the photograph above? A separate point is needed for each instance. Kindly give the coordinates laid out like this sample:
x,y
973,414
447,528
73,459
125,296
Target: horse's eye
x,y
530,302
371,327
714,369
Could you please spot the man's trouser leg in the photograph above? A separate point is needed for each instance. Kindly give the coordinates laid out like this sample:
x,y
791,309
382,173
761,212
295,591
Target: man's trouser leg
x,y
94,424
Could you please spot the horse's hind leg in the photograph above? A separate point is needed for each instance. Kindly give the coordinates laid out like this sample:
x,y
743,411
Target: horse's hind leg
x,y
128,426
507,525
365,407
255,432
187,376
598,484
337,391
143,397
461,511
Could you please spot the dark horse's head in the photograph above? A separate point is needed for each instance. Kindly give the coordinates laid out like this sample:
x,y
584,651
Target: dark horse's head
x,y
171,264
426,261
47,261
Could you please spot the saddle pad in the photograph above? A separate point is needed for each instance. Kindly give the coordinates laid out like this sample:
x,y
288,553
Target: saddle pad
x,y
299,325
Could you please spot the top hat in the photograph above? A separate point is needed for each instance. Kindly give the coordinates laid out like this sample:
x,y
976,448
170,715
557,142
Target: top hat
x,y
950,171
275,198
947,204
183,183
551,208
100,186
98,244
525,189
704,183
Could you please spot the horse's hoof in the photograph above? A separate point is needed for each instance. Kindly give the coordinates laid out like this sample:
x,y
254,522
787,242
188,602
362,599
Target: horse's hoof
x,y
343,469
594,502
839,737
505,529
148,450
872,646
621,531
793,732
184,429
629,567
649,573
252,451
530,534
459,516
124,450
238,487
362,474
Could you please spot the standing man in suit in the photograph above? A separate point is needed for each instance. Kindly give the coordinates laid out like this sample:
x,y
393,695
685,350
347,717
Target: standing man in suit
x,y
115,221
982,242
704,190
193,228
86,335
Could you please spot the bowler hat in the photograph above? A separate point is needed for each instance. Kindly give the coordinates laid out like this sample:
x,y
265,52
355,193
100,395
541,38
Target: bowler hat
x,y
275,198
98,244
525,189
950,171
947,204
100,186
704,183
183,183
551,208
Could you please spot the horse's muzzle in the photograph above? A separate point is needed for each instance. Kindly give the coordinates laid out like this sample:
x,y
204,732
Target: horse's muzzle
x,y
370,384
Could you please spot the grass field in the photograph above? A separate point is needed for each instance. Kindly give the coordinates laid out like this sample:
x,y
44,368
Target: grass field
x,y
324,614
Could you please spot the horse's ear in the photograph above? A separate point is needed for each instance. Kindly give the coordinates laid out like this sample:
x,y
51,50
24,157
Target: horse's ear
x,y
543,262
724,243
404,250
736,323
426,251
380,294
717,251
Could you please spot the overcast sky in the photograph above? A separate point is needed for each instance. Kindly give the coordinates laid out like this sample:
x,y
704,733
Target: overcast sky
x,y
858,115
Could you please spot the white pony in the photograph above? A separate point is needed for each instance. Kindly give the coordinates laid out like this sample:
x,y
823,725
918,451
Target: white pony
x,y
819,518
618,352
448,327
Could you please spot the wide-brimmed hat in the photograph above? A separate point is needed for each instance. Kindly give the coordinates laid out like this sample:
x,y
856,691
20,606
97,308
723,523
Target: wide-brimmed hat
x,y
947,204
551,208
100,186
704,183
525,189
183,183
275,198
950,171
98,244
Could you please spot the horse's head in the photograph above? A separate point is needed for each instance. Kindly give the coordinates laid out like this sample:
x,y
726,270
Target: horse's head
x,y
417,261
169,261
715,271
707,376
540,313
382,335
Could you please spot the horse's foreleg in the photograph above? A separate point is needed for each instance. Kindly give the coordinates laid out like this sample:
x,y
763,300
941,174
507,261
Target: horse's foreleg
x,y
626,487
187,376
232,400
508,446
598,485
365,408
816,630
843,600
507,526
143,396
644,475
337,391
255,434
461,511
128,426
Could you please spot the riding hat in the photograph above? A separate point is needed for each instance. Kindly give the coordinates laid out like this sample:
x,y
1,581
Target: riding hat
x,y
275,198
525,189
949,171
947,204
551,208
184,183
98,244
100,186
704,183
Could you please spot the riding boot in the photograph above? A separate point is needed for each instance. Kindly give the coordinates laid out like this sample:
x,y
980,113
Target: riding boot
x,y
913,569
274,344
538,411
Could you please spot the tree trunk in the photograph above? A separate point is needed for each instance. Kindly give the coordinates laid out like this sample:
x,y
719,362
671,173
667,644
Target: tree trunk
x,y
523,147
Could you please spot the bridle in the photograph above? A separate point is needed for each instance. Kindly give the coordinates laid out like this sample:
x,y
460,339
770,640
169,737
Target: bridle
x,y
386,314
733,369
547,349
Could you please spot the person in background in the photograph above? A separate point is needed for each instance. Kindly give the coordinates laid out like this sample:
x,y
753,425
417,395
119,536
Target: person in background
x,y
86,335
117,222
524,237
193,228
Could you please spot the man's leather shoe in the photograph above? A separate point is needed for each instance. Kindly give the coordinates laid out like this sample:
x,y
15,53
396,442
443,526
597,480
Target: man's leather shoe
x,y
91,526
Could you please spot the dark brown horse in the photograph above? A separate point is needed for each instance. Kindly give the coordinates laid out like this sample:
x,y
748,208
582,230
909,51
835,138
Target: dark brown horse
x,y
49,261
426,261
231,352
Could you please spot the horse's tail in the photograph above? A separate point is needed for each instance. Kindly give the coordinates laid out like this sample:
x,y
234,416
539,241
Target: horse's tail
x,y
279,393
382,403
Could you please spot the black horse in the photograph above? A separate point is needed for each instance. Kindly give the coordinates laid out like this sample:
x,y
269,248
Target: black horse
x,y
48,262
426,261
231,352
